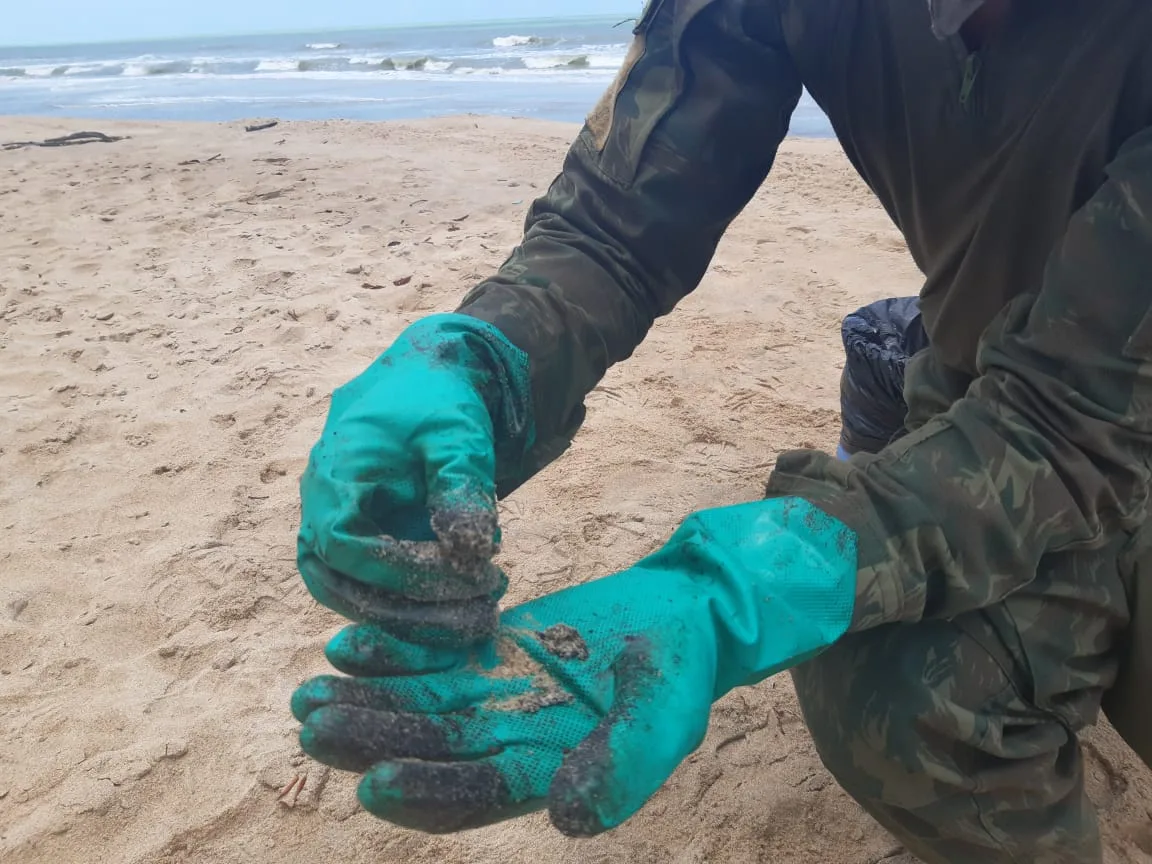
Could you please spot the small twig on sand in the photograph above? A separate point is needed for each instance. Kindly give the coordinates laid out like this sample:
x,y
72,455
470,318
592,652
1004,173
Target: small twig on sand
x,y
201,161
291,793
66,140
260,127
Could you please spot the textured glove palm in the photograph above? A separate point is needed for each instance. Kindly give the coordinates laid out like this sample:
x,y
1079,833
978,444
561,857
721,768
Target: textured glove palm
x,y
589,698
398,503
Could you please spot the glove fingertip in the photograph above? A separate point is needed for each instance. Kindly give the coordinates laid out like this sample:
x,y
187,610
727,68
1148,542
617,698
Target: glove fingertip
x,y
377,791
307,738
578,803
309,696
335,736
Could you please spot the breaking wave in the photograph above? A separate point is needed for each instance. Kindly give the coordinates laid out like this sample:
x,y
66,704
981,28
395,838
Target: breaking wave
x,y
578,61
518,41
495,63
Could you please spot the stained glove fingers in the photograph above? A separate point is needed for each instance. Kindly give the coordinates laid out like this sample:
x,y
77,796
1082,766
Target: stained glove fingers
x,y
354,738
369,651
467,527
613,772
441,625
439,570
325,585
455,566
444,797
328,690
422,694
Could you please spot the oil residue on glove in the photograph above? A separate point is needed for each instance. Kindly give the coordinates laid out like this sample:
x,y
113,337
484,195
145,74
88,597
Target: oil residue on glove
x,y
564,642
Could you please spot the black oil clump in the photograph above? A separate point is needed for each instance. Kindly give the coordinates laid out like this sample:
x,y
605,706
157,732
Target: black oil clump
x,y
564,642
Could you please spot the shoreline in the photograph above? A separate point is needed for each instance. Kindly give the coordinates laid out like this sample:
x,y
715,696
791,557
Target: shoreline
x,y
12,122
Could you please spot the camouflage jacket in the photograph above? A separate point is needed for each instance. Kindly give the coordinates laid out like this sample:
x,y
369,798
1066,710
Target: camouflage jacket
x,y
1021,178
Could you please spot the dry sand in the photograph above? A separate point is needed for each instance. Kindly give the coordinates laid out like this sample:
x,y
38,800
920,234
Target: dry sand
x,y
169,335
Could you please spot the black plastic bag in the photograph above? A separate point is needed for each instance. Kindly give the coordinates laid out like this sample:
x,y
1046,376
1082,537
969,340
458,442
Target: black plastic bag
x,y
879,340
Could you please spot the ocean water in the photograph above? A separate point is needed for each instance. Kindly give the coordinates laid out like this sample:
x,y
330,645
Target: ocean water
x,y
551,69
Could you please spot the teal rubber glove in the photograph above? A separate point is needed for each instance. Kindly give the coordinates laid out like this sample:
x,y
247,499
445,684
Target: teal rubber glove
x,y
398,501
588,699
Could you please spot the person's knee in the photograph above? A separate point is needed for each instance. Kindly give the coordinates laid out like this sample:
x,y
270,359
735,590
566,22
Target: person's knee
x,y
925,726
869,714
899,711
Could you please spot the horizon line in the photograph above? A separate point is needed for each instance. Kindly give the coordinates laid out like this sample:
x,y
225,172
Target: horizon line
x,y
352,29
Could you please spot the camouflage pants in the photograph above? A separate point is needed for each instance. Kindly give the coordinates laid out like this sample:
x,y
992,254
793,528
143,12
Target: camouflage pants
x,y
959,736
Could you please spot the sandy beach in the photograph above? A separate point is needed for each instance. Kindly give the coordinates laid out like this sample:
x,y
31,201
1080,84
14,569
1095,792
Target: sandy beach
x,y
175,309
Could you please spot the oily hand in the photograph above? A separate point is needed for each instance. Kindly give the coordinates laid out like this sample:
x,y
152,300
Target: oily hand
x,y
587,699
398,503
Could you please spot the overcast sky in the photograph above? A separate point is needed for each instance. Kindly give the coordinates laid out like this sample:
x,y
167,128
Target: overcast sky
x,y
55,21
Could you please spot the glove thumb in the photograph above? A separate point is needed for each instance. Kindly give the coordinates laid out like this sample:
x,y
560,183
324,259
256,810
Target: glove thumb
x,y
655,721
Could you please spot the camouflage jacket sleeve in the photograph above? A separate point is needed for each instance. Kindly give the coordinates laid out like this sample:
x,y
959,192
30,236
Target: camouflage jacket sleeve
x,y
1049,450
673,152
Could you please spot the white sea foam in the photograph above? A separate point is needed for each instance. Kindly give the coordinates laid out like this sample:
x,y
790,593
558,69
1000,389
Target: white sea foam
x,y
572,61
515,41
45,71
606,61
84,69
278,65
323,46
348,67
362,63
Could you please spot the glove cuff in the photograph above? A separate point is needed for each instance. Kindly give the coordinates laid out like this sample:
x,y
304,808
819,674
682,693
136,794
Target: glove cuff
x,y
778,579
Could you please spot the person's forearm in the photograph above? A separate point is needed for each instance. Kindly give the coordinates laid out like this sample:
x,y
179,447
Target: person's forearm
x,y
662,167
1050,448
